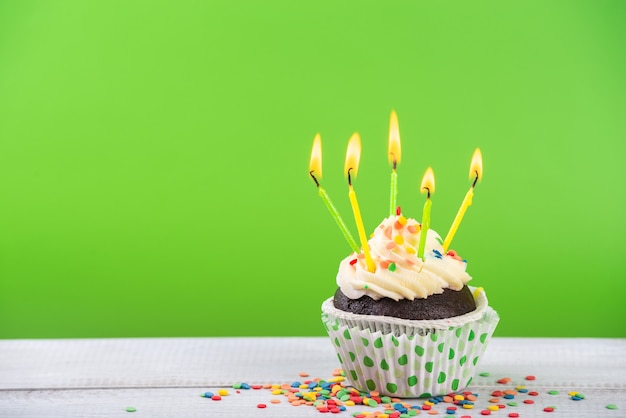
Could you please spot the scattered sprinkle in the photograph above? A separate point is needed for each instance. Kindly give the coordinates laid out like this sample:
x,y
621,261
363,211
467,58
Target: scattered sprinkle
x,y
611,406
261,405
392,267
484,374
353,261
131,409
530,377
398,211
548,409
553,392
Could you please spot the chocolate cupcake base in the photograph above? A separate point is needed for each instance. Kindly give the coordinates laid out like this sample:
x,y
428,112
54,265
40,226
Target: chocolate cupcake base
x,y
448,304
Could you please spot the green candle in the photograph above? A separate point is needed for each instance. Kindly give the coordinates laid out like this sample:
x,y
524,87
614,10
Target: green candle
x,y
428,186
315,168
394,153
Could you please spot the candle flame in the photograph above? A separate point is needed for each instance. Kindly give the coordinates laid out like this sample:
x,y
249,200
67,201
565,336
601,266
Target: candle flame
x,y
353,155
395,150
315,166
428,182
476,166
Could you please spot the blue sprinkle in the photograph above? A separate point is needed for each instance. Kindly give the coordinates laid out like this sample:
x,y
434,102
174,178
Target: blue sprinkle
x,y
576,398
450,411
342,408
208,394
416,407
312,385
522,390
465,261
245,386
507,396
295,384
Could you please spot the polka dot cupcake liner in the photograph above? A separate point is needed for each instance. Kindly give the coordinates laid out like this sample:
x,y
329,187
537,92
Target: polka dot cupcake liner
x,y
407,358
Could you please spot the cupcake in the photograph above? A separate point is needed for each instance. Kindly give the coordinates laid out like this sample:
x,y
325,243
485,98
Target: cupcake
x,y
413,327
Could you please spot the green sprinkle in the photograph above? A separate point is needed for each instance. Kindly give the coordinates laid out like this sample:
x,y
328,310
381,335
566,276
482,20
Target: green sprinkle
x,y
553,392
392,267
130,409
366,287
512,404
611,406
484,374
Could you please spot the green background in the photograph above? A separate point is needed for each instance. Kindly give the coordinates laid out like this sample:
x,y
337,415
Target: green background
x,y
154,158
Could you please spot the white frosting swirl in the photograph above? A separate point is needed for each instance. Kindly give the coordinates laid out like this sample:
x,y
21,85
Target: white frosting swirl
x,y
400,274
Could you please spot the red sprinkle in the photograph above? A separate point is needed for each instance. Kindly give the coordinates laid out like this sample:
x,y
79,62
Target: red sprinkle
x,y
529,401
257,387
398,211
451,253
504,380
216,398
485,412
353,261
497,393
548,409
533,393
513,415
425,407
531,377
261,405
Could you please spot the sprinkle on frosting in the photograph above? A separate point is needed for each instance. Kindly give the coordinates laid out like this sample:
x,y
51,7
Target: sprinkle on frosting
x,y
400,274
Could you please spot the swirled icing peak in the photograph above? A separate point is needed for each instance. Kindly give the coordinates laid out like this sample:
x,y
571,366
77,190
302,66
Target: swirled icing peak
x,y
400,274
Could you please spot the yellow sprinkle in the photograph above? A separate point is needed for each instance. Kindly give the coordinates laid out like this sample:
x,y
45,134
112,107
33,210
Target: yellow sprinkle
x,y
410,250
383,416
303,386
402,220
277,392
468,406
477,292
520,387
459,397
336,379
572,394
317,389
275,386
493,408
349,403
429,403
399,239
222,392
335,389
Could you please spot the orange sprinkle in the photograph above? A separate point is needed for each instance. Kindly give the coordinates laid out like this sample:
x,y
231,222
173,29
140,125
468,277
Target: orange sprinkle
x,y
397,225
494,400
448,399
267,386
275,400
384,264
471,398
390,245
510,392
303,374
374,393
412,229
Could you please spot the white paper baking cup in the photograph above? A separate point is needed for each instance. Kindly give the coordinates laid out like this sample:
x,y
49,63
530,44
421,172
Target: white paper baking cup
x,y
409,358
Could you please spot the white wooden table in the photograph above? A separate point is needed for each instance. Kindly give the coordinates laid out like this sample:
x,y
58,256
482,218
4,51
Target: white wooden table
x,y
165,377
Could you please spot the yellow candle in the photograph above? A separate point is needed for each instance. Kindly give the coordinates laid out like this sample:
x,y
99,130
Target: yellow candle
x,y
394,153
315,169
353,154
476,172
427,186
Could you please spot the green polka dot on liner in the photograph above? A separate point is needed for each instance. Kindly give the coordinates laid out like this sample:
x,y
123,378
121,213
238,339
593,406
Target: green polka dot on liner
x,y
462,360
455,384
441,378
392,387
403,360
370,384
412,380
384,365
365,341
419,350
451,354
483,337
429,366
440,347
368,361
395,341
337,342
471,336
354,375
378,342
347,335
352,355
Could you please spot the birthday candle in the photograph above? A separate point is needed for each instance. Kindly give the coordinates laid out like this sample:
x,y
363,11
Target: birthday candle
x,y
394,154
353,155
427,186
476,172
315,171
